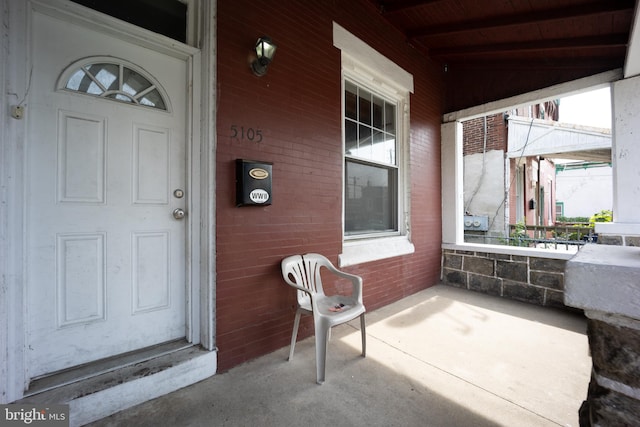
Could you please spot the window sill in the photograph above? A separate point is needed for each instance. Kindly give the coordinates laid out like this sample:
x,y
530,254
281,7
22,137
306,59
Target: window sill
x,y
361,251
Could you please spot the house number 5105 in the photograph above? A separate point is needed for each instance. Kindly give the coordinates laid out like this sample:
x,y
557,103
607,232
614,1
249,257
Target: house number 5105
x,y
246,133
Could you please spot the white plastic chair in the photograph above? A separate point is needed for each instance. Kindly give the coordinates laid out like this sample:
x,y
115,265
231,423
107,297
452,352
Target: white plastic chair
x,y
303,273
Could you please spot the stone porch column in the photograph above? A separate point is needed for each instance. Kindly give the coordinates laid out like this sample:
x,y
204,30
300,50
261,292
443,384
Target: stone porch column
x,y
604,281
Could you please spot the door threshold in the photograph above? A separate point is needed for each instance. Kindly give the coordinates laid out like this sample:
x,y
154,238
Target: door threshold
x,y
100,395
103,366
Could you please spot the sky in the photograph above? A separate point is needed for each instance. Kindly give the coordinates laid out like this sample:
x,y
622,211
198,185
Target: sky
x,y
588,108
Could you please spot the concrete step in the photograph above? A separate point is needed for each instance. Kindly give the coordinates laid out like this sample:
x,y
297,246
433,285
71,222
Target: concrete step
x,y
96,390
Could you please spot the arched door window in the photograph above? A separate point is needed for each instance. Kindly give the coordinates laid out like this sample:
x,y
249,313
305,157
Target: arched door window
x,y
114,79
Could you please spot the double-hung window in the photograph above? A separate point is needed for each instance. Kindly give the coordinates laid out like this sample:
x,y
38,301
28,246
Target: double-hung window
x,y
371,167
375,121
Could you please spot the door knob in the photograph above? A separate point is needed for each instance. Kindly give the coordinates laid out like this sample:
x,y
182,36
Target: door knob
x,y
179,213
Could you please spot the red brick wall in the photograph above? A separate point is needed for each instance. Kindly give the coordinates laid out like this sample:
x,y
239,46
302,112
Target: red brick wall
x,y
473,132
297,108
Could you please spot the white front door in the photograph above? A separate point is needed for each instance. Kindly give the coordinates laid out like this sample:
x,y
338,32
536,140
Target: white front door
x,y
105,254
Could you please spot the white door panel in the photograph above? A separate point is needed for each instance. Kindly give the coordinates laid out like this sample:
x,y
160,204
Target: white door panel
x,y
106,258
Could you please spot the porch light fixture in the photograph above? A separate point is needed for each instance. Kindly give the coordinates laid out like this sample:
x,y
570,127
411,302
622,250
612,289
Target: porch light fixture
x,y
265,49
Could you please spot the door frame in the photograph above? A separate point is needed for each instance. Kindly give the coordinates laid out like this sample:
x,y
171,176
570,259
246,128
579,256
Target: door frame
x,y
200,152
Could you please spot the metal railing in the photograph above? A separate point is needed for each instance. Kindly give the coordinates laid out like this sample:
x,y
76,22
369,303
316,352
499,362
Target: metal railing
x,y
551,235
563,236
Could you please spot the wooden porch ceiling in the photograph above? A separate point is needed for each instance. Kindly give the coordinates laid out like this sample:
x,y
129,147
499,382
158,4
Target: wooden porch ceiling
x,y
562,39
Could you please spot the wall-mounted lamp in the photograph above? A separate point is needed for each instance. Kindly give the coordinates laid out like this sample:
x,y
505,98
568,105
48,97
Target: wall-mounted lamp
x,y
265,49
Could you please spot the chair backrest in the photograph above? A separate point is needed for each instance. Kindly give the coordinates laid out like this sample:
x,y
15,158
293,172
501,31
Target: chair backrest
x,y
303,273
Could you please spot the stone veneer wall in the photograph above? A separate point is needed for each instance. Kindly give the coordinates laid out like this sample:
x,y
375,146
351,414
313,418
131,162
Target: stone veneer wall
x,y
618,240
613,397
530,279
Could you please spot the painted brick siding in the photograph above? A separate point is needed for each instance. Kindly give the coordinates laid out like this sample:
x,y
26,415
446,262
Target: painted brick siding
x,y
297,108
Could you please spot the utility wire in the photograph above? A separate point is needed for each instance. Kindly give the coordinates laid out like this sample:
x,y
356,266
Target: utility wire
x,y
504,200
484,166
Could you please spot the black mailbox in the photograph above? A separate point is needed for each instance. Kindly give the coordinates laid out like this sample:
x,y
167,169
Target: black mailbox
x,y
253,183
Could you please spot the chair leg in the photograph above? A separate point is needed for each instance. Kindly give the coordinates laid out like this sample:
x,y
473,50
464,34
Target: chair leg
x,y
364,336
322,342
294,335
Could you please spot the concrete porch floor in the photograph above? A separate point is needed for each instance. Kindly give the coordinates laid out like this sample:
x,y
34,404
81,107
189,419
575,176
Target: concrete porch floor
x,y
441,357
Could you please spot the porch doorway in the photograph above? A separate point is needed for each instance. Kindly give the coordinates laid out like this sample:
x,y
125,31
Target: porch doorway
x,y
106,254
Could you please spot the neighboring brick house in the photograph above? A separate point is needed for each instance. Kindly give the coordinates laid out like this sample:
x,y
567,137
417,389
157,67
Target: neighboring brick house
x,y
490,174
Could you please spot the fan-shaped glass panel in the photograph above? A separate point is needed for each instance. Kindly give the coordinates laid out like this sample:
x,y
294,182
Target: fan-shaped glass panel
x,y
153,99
117,82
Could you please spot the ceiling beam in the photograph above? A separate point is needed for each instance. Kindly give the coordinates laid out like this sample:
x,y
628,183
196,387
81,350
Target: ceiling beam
x,y
552,92
608,41
597,64
595,8
397,6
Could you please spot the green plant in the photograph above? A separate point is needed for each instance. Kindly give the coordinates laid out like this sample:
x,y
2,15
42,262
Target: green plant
x,y
572,219
602,216
574,236
518,236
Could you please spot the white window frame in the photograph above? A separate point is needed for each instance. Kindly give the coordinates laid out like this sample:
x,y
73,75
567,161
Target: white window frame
x,y
367,68
397,166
